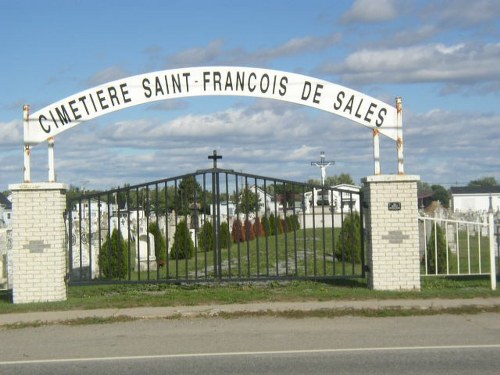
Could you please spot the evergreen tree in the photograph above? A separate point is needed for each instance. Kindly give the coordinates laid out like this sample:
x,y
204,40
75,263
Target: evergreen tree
x,y
349,244
183,246
249,232
113,259
436,237
238,234
206,237
224,235
258,228
272,225
160,245
266,226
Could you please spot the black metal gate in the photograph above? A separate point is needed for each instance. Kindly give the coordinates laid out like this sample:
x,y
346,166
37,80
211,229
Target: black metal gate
x,y
216,224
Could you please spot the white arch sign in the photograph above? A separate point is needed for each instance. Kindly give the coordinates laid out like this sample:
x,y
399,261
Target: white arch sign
x,y
86,105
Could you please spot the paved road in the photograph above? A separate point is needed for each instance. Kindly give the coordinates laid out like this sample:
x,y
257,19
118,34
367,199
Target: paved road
x,y
442,344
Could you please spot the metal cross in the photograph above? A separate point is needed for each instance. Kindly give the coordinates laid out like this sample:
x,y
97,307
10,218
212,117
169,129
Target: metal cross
x,y
322,164
214,157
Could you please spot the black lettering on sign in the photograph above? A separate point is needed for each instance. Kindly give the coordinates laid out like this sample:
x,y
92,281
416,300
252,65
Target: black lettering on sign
x,y
338,104
41,120
147,89
381,117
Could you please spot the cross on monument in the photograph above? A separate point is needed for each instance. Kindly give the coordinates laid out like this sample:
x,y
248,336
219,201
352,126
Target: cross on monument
x,y
214,157
322,164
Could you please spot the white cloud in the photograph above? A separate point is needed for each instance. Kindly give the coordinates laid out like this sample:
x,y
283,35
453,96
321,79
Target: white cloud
x,y
11,134
370,11
458,63
216,52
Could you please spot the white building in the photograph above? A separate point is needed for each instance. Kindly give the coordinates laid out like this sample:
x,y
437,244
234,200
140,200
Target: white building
x,y
475,199
339,200
5,212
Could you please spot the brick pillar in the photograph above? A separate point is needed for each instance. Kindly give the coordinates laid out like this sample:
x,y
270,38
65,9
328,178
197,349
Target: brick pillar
x,y
392,231
38,242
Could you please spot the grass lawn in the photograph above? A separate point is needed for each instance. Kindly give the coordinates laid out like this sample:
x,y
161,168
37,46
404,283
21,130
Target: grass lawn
x,y
134,295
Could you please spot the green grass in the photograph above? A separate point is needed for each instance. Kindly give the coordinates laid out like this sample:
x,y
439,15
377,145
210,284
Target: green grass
x,y
302,253
472,256
151,295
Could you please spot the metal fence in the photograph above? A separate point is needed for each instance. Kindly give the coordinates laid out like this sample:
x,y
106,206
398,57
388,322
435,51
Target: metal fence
x,y
215,224
457,248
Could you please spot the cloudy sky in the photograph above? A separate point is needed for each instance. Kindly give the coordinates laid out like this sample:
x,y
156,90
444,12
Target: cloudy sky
x,y
441,57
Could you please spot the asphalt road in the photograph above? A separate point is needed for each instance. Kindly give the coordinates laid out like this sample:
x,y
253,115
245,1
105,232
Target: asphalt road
x,y
441,344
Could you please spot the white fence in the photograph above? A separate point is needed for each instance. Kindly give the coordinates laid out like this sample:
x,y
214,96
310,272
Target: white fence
x,y
458,248
5,246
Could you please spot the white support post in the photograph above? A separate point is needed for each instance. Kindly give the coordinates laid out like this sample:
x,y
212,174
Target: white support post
x,y
376,151
27,148
52,172
491,233
399,124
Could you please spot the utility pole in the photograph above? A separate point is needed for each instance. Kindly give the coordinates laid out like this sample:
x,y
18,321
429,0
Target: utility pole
x,y
322,164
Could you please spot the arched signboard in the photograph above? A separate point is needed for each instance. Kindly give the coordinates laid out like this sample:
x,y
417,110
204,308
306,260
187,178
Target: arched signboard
x,y
45,124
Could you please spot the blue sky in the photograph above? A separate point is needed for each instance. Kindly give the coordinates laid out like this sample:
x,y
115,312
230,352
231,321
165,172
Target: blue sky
x,y
441,57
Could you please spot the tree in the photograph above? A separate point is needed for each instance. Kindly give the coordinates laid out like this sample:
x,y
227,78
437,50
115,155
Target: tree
x,y
266,226
113,260
349,244
272,225
206,237
343,178
248,202
224,235
258,228
188,191
436,238
249,232
160,245
238,234
484,182
439,193
183,246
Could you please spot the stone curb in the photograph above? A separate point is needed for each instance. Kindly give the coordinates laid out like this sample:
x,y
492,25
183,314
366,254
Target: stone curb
x,y
215,310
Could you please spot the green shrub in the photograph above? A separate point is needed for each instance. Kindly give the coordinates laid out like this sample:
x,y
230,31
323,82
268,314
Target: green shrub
x,y
224,235
272,225
258,228
266,226
206,237
160,245
348,247
249,232
238,234
113,259
436,237
183,246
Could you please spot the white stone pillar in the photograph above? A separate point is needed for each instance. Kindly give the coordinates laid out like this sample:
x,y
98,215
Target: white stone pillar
x,y
392,232
38,242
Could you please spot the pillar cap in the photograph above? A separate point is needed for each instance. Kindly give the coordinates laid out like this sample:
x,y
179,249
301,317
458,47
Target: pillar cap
x,y
391,178
38,186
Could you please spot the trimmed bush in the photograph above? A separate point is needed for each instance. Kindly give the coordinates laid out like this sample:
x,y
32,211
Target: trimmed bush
x,y
224,235
183,246
238,234
113,260
436,237
258,228
160,245
348,248
249,233
266,226
272,225
206,237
